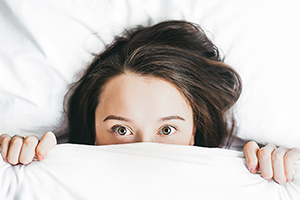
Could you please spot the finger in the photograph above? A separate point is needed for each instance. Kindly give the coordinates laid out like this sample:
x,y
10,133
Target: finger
x,y
14,149
278,165
47,142
28,149
250,151
264,160
289,160
4,142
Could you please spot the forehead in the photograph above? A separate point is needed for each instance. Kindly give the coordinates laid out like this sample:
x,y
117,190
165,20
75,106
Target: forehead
x,y
129,93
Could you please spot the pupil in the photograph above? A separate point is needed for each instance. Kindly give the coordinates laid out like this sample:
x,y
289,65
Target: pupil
x,y
122,131
166,130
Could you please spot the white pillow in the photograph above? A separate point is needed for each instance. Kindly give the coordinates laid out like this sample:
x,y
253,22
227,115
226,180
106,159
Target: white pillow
x,y
261,41
46,44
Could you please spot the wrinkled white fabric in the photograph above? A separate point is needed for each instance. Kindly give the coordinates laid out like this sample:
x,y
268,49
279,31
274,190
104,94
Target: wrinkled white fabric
x,y
141,171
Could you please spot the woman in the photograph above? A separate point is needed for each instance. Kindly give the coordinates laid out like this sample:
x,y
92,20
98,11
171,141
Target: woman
x,y
165,83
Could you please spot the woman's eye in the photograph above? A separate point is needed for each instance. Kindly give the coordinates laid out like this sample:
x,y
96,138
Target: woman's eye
x,y
167,130
121,130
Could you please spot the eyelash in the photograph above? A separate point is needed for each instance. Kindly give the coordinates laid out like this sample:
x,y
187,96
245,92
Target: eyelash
x,y
170,126
115,128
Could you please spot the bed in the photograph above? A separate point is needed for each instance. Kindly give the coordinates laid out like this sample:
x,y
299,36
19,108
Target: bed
x,y
44,48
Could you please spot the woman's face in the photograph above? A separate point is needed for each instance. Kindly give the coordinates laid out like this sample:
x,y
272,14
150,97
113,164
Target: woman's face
x,y
134,108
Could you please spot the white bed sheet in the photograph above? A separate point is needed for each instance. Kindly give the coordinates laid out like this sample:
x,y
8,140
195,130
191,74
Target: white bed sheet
x,y
141,171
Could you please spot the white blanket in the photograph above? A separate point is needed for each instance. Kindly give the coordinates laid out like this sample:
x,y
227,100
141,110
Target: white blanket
x,y
140,171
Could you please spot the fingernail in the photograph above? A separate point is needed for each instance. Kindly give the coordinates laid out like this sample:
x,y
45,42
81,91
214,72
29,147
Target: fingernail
x,y
252,169
289,179
40,158
281,182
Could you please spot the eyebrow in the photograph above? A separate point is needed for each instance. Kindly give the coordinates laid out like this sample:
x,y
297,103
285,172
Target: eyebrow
x,y
171,118
115,117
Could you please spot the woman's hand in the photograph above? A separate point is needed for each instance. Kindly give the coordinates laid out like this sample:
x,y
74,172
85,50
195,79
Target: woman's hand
x,y
22,150
277,163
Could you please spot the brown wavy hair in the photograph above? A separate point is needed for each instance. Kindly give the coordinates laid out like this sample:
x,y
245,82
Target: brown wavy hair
x,y
178,52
